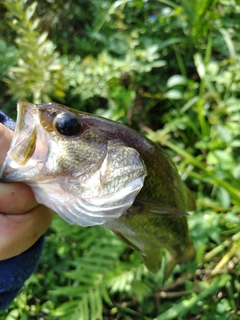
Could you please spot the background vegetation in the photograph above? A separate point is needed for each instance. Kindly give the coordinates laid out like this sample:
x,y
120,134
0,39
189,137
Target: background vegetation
x,y
171,70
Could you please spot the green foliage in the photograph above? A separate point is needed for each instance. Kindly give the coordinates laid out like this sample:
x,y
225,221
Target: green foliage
x,y
38,73
170,69
101,77
7,58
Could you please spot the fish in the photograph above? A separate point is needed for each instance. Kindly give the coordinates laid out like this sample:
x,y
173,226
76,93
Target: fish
x,y
94,171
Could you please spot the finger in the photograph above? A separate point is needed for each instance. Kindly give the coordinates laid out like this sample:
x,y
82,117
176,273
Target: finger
x,y
19,232
5,141
16,198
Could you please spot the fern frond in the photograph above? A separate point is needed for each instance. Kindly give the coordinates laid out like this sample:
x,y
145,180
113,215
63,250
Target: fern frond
x,y
88,285
98,271
131,278
90,307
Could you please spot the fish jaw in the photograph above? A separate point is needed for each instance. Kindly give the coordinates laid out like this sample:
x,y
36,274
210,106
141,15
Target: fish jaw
x,y
28,148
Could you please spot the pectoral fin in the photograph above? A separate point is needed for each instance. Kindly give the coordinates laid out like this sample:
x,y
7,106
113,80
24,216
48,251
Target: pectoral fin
x,y
157,209
152,257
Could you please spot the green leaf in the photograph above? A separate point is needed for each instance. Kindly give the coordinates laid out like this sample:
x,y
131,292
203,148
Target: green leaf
x,y
176,80
183,307
30,10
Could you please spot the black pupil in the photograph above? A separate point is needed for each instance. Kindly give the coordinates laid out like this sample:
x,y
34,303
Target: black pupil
x,y
67,124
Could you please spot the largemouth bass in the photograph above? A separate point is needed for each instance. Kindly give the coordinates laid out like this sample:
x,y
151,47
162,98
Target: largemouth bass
x,y
94,171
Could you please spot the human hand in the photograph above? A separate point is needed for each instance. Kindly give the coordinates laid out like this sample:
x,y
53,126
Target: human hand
x,y
22,219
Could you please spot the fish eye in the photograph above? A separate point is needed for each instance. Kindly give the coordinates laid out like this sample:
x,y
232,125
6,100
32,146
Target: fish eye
x,y
67,124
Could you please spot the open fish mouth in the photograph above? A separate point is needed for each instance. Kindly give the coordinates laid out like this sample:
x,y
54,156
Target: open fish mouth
x,y
23,145
24,139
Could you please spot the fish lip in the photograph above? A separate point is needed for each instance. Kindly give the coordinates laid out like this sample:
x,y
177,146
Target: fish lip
x,y
24,109
25,126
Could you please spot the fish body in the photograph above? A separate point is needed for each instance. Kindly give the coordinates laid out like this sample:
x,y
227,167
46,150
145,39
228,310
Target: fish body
x,y
94,171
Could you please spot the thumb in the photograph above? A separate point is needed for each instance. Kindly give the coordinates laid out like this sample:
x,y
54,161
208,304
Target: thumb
x,y
15,198
5,141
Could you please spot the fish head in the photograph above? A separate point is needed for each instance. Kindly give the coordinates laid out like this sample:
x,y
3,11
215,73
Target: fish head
x,y
71,166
